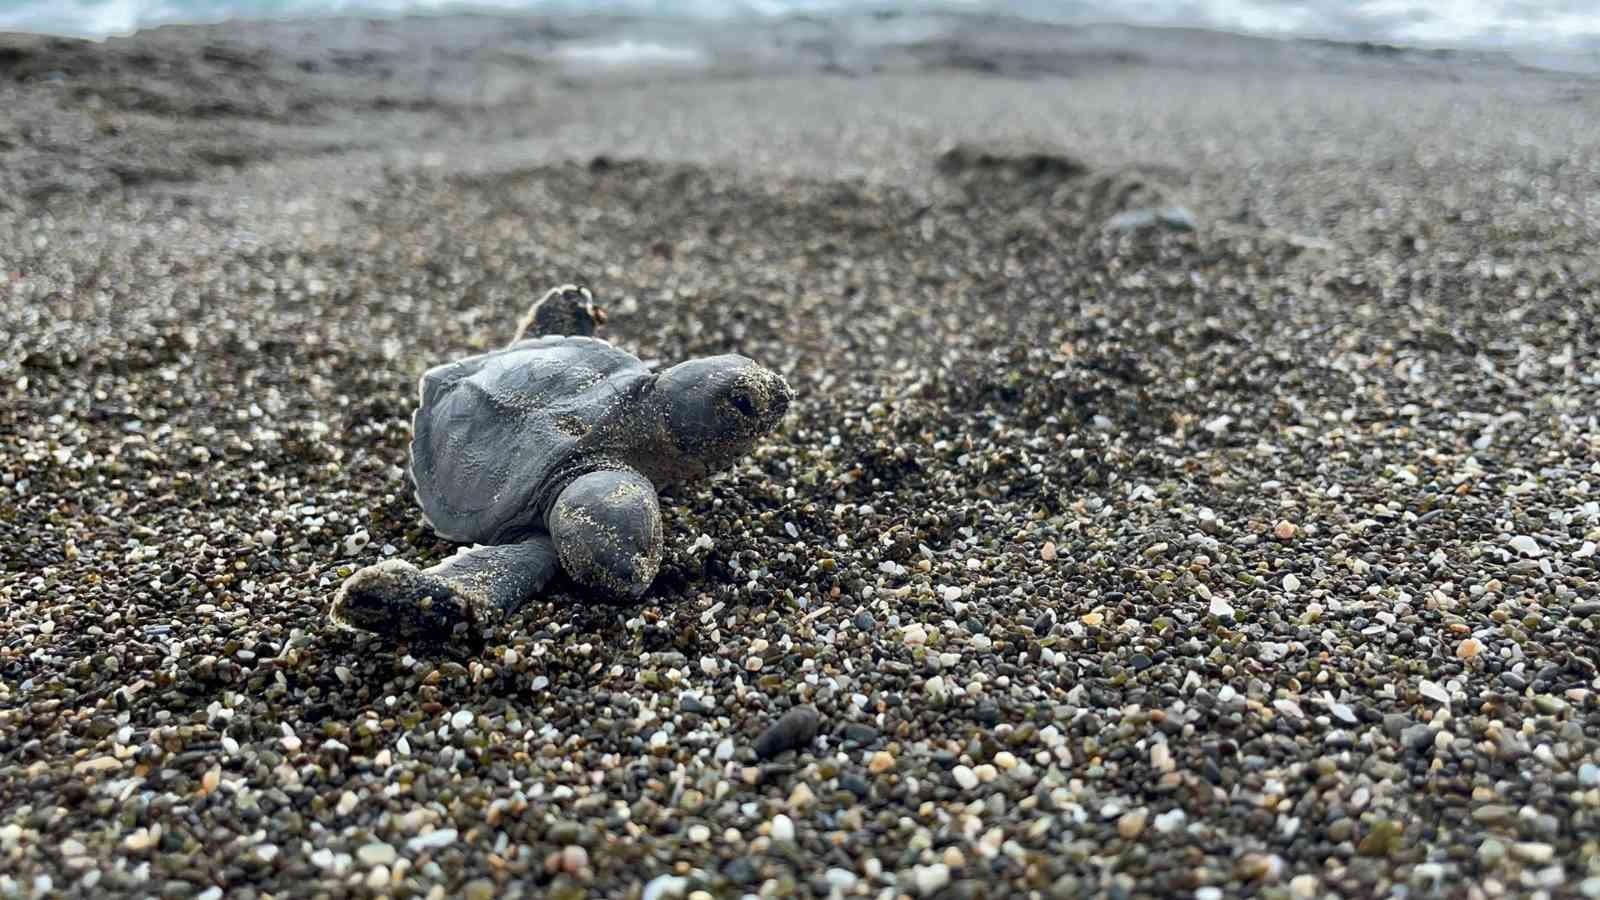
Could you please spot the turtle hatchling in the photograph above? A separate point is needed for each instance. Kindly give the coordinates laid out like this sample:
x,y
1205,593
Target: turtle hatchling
x,y
547,455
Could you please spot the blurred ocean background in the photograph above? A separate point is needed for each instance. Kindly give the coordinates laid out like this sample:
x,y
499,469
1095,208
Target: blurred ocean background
x,y
1567,27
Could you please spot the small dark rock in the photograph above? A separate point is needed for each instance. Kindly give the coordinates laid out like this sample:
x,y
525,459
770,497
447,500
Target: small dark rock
x,y
794,731
858,732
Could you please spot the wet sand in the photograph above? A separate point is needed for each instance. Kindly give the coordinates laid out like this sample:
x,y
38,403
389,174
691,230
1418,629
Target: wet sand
x,y
1253,553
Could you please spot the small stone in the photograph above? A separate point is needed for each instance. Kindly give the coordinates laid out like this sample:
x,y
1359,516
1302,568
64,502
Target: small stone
x,y
1491,851
801,797
699,834
461,719
1048,551
484,889
1291,583
1530,852
347,803
1526,545
142,839
574,859
1469,648
665,887
97,765
1433,691
1589,775
1550,706
433,840
1590,887
794,731
1170,821
1284,530
914,635
376,853
964,777
930,879
1131,824
843,879
1303,887
1161,758
782,828
881,762
1491,813
266,852
951,594
1259,867
1221,608
1382,841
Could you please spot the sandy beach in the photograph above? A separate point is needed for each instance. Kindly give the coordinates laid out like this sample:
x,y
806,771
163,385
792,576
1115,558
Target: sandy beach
x,y
1193,487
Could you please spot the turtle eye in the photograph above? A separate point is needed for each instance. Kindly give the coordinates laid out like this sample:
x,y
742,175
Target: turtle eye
x,y
742,402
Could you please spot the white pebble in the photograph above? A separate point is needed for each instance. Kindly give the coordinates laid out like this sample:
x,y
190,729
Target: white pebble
x,y
1584,552
376,853
929,879
1291,583
1221,608
1526,545
782,828
663,887
1434,692
441,837
461,719
965,777
951,593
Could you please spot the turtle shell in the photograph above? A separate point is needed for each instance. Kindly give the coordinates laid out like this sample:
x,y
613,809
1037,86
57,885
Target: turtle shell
x,y
496,434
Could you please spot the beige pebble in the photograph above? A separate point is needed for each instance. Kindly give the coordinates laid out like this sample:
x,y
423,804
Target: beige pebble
x,y
881,762
954,858
1131,824
1469,648
801,797
1048,551
1284,530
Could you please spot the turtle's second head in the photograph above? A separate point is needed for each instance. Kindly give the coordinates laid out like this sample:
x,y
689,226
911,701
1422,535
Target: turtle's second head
x,y
716,408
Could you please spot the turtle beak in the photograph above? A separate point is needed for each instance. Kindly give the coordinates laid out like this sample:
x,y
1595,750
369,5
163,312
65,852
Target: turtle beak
x,y
597,313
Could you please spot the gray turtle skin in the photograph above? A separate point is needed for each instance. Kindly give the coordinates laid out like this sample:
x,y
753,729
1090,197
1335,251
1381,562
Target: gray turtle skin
x,y
548,454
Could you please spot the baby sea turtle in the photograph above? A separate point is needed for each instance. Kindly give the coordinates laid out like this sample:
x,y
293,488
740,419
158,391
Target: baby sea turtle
x,y
549,453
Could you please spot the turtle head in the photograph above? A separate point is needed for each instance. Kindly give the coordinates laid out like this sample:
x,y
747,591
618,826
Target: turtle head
x,y
716,408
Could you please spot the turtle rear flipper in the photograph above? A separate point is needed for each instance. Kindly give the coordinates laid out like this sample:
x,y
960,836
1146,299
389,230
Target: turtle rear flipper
x,y
449,602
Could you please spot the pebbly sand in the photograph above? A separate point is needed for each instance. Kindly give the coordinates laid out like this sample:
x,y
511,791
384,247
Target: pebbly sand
x,y
1251,558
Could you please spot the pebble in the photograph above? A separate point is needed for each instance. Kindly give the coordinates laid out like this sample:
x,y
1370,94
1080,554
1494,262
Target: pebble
x,y
881,762
1526,545
433,840
1469,648
782,828
1221,608
795,730
461,719
1433,692
1170,821
376,853
928,880
1131,824
1535,853
1284,530
964,777
1048,551
665,887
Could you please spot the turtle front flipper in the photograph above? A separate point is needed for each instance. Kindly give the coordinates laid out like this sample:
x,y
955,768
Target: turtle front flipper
x,y
568,310
607,530
451,601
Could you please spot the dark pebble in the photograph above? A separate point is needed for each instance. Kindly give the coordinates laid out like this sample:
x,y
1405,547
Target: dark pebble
x,y
855,784
1513,680
794,731
865,622
858,732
